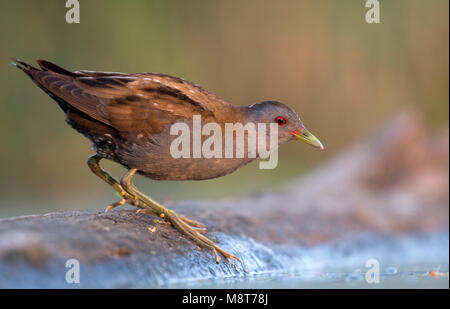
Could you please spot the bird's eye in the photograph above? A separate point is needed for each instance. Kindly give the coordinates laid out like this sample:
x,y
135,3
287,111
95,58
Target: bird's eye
x,y
280,120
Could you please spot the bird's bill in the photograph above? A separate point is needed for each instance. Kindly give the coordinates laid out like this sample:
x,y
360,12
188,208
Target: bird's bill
x,y
307,137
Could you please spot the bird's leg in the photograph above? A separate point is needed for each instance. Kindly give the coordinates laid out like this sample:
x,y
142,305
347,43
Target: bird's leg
x,y
181,223
161,211
93,163
127,198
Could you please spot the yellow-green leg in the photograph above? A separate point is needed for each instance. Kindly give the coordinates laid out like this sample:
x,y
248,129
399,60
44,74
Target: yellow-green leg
x,y
93,163
127,198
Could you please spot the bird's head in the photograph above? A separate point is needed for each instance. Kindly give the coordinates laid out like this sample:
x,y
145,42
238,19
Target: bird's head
x,y
289,123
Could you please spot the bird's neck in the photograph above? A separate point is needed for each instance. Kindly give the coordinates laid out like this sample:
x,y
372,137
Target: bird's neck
x,y
235,114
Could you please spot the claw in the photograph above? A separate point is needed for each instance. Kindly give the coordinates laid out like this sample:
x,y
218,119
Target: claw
x,y
114,205
231,257
216,256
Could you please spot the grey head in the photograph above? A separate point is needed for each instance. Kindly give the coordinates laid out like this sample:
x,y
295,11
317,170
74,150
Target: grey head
x,y
290,126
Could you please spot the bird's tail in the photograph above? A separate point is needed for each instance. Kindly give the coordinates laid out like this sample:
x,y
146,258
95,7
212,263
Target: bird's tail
x,y
25,67
37,75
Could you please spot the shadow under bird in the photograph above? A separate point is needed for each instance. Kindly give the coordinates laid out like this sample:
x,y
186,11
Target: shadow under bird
x,y
128,118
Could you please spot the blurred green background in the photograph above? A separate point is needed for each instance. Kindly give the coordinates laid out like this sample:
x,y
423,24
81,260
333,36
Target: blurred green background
x,y
343,76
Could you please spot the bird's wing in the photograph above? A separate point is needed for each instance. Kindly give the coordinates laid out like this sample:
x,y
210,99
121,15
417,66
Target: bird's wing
x,y
156,100
127,102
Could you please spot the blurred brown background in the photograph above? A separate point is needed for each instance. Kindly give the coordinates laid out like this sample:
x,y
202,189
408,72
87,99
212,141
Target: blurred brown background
x,y
343,76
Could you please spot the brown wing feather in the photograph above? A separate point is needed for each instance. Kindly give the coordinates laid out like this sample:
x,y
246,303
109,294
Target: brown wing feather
x,y
128,102
63,86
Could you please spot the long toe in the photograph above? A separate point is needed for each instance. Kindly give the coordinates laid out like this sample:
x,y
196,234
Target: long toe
x,y
200,239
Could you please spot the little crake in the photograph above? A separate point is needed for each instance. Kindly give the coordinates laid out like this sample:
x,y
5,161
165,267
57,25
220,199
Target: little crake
x,y
128,118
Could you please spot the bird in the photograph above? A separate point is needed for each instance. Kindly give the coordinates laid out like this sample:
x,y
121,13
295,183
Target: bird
x,y
128,117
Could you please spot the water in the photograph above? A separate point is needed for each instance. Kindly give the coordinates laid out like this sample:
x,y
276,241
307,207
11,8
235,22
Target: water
x,y
414,261
331,280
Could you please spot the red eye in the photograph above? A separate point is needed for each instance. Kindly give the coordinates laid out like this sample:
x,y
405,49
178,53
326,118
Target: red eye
x,y
280,120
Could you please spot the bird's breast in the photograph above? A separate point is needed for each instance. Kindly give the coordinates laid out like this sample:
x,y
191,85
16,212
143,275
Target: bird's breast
x,y
174,156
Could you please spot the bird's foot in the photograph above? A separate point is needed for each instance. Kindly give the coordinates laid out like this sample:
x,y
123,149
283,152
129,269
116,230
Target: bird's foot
x,y
118,203
193,230
195,224
201,228
202,241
